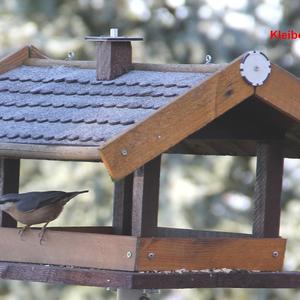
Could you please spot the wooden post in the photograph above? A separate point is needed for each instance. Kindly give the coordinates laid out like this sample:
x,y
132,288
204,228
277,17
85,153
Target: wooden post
x,y
9,183
122,208
269,171
145,200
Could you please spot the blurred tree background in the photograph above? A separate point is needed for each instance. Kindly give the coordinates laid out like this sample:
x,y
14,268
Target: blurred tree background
x,y
196,192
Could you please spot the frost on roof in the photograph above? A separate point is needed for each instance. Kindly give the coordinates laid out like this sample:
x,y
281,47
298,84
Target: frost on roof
x,y
68,106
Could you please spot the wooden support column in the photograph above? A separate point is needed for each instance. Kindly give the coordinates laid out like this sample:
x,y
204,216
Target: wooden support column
x,y
269,171
145,199
9,183
122,209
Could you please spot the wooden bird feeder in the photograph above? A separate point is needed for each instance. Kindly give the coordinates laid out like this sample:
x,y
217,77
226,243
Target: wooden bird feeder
x,y
59,110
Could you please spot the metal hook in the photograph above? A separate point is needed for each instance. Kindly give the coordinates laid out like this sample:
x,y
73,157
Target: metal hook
x,y
208,59
70,56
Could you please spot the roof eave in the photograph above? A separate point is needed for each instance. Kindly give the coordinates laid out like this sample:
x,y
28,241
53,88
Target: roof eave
x,y
174,122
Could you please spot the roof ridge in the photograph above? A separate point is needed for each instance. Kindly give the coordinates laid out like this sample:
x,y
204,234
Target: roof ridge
x,y
84,64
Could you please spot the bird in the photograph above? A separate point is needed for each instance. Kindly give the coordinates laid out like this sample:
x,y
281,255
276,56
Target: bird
x,y
36,207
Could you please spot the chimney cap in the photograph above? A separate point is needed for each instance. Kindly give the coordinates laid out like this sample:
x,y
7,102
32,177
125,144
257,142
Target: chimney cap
x,y
113,37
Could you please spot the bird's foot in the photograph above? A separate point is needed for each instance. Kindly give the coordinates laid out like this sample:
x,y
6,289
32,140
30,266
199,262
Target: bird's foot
x,y
42,234
22,231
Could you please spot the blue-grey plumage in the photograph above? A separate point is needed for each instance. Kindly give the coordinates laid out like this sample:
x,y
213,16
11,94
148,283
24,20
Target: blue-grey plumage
x,y
36,207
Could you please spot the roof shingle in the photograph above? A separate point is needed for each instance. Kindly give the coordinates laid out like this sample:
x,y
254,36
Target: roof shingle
x,y
67,106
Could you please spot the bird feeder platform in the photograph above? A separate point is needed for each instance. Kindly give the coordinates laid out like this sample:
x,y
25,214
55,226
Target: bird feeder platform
x,y
58,110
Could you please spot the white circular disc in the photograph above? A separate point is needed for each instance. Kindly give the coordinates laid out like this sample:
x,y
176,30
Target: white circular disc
x,y
255,68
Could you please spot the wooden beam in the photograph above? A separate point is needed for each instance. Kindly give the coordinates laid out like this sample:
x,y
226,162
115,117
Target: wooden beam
x,y
281,91
9,183
144,280
181,232
69,248
197,68
54,152
14,60
203,68
145,201
165,254
122,207
268,184
175,121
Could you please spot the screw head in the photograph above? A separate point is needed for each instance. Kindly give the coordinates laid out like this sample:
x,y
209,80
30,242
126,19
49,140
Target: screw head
x,y
129,254
151,255
275,253
124,152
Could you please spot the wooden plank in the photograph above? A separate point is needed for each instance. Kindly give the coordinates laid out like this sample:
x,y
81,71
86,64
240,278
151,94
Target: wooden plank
x,y
218,279
152,280
9,183
14,60
281,90
83,64
53,152
34,52
201,68
181,232
165,254
122,207
68,248
268,184
88,229
145,201
64,275
175,121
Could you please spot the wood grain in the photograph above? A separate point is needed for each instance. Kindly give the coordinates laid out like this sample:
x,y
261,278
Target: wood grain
x,y
281,91
202,68
210,253
145,200
34,52
53,152
122,206
113,59
174,122
68,248
268,185
9,183
14,60
152,280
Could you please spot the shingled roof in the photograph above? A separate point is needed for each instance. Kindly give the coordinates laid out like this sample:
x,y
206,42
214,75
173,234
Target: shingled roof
x,y
60,105
53,109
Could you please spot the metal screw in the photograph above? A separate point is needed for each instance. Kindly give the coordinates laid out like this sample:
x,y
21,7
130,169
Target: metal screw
x,y
158,136
151,255
275,253
129,254
124,152
256,68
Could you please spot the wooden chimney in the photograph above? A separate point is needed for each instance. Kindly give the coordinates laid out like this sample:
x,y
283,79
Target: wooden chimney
x,y
113,54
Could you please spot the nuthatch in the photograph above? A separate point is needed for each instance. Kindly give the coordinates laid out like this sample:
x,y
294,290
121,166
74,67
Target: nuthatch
x,y
36,207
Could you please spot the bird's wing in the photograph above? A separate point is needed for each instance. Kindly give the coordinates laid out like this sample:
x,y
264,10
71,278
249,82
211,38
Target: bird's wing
x,y
9,198
35,200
